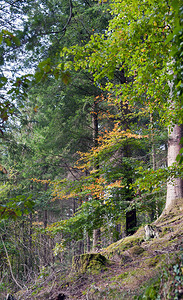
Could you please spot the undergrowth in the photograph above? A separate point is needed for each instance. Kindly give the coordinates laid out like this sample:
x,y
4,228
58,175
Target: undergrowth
x,y
169,285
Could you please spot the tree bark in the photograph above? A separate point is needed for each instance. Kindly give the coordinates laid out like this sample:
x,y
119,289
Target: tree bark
x,y
87,242
45,237
154,212
131,222
131,218
96,239
96,232
175,187
30,242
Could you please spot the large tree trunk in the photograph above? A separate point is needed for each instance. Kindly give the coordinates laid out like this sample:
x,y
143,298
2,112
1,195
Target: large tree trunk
x,y
96,232
175,187
131,219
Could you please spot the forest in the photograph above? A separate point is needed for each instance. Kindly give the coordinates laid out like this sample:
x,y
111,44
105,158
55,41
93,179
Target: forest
x,y
91,128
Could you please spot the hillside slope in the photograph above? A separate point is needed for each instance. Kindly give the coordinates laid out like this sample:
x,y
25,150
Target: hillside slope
x,y
124,269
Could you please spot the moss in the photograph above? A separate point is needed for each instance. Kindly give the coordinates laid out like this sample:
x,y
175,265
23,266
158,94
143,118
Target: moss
x,y
93,262
122,276
125,259
132,276
119,277
170,221
119,247
166,230
137,272
110,292
155,261
136,250
130,242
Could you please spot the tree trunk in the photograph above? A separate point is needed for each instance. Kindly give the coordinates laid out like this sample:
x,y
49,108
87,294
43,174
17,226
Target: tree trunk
x,y
96,239
131,219
30,242
87,242
96,232
175,187
154,212
131,222
45,237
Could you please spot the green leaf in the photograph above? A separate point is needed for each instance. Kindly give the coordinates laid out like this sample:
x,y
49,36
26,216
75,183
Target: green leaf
x,y
169,38
3,81
175,5
66,77
178,157
16,40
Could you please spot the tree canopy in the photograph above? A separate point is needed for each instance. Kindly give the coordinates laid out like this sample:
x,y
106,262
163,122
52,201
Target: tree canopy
x,y
88,91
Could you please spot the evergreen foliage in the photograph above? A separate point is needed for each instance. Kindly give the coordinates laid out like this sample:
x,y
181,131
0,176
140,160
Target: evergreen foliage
x,y
85,103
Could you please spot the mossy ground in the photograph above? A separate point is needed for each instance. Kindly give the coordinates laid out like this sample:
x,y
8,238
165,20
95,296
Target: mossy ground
x,y
89,262
122,270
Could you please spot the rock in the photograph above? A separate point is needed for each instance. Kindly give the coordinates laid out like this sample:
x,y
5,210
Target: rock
x,y
151,232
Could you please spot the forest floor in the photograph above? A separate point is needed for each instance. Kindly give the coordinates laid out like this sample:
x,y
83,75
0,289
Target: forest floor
x,y
124,269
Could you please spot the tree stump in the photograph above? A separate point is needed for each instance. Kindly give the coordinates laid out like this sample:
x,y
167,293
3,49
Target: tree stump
x,y
94,262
